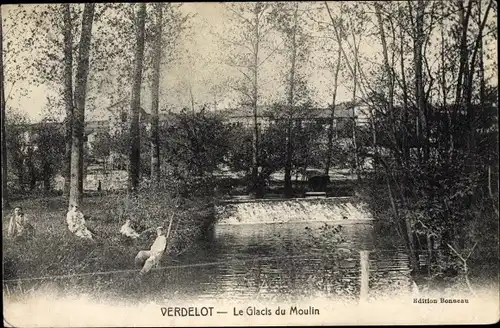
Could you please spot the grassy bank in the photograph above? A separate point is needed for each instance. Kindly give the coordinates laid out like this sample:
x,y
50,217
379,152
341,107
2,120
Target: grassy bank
x,y
55,251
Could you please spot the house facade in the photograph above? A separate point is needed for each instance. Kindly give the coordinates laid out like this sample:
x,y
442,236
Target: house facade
x,y
267,114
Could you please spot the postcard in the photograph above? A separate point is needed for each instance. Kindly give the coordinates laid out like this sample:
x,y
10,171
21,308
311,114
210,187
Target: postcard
x,y
250,163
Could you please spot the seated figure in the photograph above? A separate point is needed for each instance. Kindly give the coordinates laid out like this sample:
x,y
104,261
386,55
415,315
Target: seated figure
x,y
76,223
19,226
128,231
148,259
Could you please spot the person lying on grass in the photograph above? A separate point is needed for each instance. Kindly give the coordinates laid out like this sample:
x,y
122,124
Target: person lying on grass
x,y
148,259
76,223
128,231
19,226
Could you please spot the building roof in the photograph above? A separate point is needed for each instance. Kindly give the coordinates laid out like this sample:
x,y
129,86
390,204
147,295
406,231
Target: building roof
x,y
342,110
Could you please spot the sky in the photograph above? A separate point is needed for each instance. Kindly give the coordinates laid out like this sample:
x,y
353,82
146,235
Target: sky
x,y
205,68
201,64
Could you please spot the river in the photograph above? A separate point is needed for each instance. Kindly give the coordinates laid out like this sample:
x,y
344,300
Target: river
x,y
289,261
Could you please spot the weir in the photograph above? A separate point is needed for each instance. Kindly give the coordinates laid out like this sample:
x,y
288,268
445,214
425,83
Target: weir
x,y
343,210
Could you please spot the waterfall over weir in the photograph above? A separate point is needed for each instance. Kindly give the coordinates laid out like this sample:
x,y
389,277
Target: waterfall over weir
x,y
337,209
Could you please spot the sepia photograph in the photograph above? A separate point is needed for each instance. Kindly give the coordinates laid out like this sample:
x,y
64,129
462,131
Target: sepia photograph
x,y
250,163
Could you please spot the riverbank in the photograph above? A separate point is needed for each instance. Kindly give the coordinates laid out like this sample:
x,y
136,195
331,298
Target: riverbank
x,y
55,251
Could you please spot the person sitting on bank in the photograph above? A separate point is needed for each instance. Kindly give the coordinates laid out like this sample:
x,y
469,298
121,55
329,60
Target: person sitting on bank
x,y
128,231
76,223
19,226
148,259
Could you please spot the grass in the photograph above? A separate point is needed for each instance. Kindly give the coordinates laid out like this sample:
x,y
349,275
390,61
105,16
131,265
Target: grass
x,y
55,251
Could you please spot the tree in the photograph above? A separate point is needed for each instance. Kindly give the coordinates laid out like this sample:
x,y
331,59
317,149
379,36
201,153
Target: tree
x,y
422,128
197,144
53,28
336,70
135,102
5,196
288,18
9,53
76,194
68,91
249,43
292,34
155,147
10,57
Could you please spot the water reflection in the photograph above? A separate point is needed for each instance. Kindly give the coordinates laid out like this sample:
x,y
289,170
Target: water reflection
x,y
290,261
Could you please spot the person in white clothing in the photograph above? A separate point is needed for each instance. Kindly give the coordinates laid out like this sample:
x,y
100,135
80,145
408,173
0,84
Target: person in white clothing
x,y
76,223
128,231
148,259
19,226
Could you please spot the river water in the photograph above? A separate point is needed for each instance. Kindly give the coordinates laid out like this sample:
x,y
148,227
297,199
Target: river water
x,y
290,261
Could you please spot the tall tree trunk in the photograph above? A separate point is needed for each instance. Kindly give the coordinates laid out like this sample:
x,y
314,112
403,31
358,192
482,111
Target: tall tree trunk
x,y
482,83
354,94
82,174
75,193
135,103
256,185
404,118
419,85
353,71
388,68
5,195
462,69
155,142
332,113
68,93
475,51
444,87
468,87
291,105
